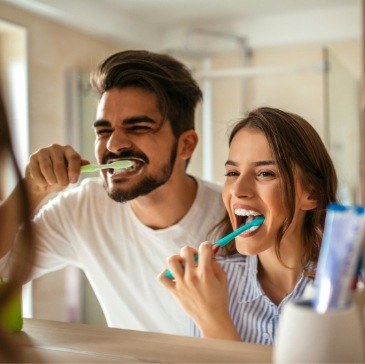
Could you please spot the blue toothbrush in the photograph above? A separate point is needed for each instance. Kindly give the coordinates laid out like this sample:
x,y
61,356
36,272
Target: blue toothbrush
x,y
229,237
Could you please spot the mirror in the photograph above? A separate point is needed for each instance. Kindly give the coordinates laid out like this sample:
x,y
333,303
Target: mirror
x,y
280,58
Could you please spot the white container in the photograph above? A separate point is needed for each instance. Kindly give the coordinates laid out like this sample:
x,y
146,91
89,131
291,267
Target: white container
x,y
305,336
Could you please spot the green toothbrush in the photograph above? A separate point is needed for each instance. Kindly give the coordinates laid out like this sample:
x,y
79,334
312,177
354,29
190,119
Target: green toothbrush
x,y
122,164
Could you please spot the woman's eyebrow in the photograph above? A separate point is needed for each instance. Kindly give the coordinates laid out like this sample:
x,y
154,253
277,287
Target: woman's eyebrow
x,y
256,164
231,163
264,163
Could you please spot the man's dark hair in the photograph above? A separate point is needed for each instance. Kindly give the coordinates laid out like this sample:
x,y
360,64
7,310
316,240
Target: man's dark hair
x,y
176,90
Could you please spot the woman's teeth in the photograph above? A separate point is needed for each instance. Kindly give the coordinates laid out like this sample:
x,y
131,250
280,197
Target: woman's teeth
x,y
246,216
253,228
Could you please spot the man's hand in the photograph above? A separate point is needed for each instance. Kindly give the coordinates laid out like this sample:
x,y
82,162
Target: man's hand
x,y
51,169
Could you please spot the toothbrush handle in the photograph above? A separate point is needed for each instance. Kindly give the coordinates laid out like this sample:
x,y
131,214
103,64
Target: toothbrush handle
x,y
89,168
226,239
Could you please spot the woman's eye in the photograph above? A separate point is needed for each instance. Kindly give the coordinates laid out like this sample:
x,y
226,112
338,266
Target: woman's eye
x,y
231,174
266,174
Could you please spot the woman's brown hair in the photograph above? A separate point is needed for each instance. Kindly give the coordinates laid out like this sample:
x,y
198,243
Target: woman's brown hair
x,y
295,144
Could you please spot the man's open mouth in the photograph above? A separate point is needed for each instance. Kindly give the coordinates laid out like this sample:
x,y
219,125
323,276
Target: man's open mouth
x,y
135,166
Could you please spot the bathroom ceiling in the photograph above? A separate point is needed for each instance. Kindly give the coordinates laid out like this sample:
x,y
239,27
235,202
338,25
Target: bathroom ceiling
x,y
160,23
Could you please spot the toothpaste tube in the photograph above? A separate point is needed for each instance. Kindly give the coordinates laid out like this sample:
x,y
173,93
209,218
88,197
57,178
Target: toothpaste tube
x,y
343,237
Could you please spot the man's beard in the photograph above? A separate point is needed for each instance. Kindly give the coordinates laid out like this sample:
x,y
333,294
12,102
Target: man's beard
x,y
148,184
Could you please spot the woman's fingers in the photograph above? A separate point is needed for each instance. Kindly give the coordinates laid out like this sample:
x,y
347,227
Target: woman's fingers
x,y
190,265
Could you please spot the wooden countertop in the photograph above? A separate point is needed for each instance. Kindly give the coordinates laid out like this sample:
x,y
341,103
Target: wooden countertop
x,y
52,341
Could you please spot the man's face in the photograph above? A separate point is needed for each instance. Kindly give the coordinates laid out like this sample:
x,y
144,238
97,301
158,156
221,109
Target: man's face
x,y
129,125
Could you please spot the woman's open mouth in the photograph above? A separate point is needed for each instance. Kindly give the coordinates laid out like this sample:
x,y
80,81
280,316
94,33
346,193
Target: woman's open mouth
x,y
244,216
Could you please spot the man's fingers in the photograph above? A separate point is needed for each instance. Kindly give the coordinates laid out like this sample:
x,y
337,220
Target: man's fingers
x,y
34,173
74,163
55,165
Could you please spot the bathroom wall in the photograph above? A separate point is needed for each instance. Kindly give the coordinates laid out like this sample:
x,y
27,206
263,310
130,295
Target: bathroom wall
x,y
52,49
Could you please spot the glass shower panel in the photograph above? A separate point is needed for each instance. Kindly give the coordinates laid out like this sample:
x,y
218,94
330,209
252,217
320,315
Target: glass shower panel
x,y
343,127
82,304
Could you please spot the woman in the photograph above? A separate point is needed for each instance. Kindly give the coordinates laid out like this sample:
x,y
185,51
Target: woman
x,y
277,167
10,215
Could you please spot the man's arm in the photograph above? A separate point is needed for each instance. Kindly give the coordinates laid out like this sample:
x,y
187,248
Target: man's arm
x,y
50,169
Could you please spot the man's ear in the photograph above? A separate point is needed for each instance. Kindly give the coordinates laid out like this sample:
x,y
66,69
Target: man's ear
x,y
308,200
188,141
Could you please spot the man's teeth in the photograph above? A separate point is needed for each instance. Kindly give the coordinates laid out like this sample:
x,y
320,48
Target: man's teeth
x,y
133,167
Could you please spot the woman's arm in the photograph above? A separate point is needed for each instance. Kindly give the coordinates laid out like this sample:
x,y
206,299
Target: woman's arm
x,y
202,290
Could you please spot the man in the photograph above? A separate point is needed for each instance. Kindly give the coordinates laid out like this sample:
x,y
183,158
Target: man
x,y
146,115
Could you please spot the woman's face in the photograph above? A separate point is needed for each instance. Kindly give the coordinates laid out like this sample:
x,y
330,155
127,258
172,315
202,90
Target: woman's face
x,y
253,187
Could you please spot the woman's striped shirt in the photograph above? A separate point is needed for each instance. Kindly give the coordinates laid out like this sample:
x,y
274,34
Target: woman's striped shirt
x,y
254,315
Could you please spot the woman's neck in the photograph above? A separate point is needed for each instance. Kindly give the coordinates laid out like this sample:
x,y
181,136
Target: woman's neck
x,y
278,279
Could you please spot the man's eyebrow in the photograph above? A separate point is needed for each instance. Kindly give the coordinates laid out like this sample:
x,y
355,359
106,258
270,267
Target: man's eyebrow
x,y
139,119
101,122
256,164
127,121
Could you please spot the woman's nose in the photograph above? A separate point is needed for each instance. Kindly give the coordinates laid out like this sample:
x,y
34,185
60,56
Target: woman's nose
x,y
118,141
242,187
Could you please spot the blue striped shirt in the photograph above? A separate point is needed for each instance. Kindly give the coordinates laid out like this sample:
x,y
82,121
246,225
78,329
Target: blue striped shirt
x,y
254,315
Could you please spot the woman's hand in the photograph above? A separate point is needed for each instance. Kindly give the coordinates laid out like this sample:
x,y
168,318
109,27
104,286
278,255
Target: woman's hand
x,y
202,290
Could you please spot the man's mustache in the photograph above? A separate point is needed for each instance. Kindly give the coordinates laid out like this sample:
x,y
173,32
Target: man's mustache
x,y
125,154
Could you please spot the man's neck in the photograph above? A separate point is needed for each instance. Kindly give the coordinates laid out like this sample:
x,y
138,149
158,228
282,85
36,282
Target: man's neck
x,y
166,205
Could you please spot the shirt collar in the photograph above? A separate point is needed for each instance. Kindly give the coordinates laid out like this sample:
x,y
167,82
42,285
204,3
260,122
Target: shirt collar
x,y
250,289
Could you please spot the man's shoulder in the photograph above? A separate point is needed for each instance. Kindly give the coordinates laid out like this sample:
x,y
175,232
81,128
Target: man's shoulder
x,y
209,194
209,186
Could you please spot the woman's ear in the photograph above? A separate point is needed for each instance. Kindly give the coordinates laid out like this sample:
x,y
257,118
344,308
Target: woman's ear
x,y
308,200
187,143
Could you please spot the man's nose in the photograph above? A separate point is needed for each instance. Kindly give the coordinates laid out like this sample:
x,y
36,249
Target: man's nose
x,y
118,141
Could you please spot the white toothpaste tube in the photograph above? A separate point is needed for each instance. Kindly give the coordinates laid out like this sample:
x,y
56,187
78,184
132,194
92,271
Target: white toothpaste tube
x,y
343,237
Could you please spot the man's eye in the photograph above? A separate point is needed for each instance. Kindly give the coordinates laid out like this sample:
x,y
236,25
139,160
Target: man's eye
x,y
140,128
102,132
